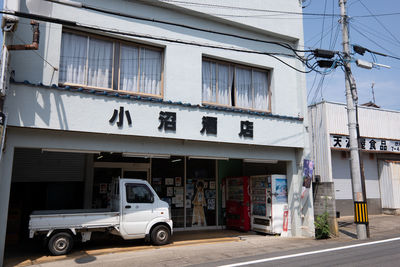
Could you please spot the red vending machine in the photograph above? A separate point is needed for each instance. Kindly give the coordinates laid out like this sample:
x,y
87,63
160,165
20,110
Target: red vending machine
x,y
238,203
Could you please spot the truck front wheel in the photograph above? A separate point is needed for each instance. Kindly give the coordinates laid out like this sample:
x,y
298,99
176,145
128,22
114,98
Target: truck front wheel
x,y
160,235
60,243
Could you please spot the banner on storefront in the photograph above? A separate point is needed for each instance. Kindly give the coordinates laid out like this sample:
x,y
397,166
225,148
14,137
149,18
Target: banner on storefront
x,y
308,167
367,144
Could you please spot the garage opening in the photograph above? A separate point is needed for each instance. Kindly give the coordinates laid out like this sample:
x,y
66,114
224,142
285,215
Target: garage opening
x,y
193,186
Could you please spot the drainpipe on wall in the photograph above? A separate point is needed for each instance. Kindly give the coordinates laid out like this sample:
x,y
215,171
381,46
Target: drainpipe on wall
x,y
35,39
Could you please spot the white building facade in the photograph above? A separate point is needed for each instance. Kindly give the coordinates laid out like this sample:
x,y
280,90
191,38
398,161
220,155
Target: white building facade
x,y
113,95
380,154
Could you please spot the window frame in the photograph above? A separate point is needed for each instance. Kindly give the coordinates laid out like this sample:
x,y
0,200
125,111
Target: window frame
x,y
116,62
234,65
138,185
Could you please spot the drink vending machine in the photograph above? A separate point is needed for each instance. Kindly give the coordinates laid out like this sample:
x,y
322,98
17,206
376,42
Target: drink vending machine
x,y
237,203
268,202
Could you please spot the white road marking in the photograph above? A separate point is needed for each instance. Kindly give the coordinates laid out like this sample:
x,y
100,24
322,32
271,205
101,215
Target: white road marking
x,y
310,253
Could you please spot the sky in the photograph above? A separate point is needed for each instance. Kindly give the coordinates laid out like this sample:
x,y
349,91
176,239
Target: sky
x,y
377,33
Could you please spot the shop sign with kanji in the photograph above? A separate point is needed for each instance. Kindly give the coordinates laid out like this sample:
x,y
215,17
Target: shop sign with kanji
x,y
168,122
367,144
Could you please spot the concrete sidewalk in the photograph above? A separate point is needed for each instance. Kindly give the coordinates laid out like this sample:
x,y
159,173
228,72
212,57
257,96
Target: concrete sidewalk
x,y
194,247
35,253
379,225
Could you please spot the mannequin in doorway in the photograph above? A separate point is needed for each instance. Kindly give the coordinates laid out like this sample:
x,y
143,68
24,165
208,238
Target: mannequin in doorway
x,y
198,203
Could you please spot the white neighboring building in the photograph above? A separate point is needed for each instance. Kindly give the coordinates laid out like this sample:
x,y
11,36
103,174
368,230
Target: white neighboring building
x,y
380,138
109,95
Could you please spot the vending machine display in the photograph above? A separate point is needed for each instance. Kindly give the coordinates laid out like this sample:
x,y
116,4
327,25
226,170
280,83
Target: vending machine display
x,y
268,198
238,203
260,191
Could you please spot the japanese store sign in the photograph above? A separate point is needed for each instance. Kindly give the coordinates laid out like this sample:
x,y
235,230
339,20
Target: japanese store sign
x,y
367,144
168,121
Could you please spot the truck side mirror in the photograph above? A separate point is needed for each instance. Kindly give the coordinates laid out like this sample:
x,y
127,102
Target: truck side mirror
x,y
151,199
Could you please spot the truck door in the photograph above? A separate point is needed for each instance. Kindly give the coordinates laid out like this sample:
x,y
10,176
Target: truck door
x,y
137,209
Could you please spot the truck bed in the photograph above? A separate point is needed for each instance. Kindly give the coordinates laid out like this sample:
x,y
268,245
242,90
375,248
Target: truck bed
x,y
45,220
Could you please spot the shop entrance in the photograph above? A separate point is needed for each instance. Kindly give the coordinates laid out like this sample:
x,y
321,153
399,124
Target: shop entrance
x,y
124,170
105,172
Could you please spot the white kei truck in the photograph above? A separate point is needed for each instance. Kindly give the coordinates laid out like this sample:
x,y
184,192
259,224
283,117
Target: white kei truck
x,y
136,212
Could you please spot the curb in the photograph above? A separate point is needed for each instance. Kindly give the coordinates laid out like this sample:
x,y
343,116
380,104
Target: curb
x,y
98,252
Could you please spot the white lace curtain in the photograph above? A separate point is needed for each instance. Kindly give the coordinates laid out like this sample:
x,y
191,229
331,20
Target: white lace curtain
x,y
86,61
129,68
244,95
141,62
217,83
225,82
251,85
260,85
89,61
150,71
73,58
100,63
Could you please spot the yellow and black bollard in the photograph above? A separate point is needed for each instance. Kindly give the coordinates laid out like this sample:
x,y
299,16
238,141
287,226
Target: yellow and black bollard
x,y
360,212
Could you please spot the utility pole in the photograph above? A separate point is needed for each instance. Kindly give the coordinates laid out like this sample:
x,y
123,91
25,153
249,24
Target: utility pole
x,y
352,100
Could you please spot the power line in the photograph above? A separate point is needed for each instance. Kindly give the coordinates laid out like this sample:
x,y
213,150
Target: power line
x,y
352,3
111,12
320,45
375,33
333,44
316,35
90,27
247,9
267,10
321,81
34,51
312,86
383,26
394,56
337,26
323,25
270,17
333,9
284,45
377,15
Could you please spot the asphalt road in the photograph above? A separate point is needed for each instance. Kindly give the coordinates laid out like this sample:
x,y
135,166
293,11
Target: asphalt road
x,y
216,252
384,252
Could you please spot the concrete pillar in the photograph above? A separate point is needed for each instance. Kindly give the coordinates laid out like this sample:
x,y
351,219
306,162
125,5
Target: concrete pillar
x,y
5,186
325,201
306,203
293,198
301,210
307,215
88,192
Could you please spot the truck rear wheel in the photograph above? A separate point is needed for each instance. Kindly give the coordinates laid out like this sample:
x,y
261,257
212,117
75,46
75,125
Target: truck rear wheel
x,y
160,235
60,243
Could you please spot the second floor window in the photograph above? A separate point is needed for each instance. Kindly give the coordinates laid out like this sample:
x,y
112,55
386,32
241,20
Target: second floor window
x,y
98,62
234,85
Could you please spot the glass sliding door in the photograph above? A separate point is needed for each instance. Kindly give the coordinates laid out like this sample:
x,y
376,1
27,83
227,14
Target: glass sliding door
x,y
168,181
201,193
